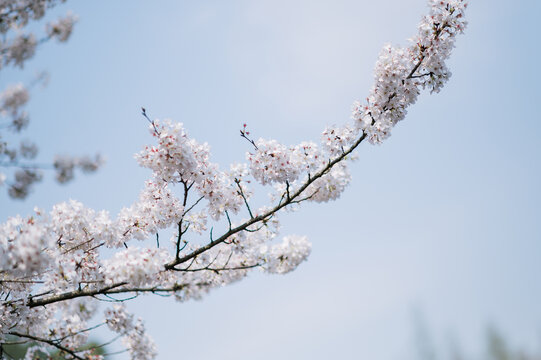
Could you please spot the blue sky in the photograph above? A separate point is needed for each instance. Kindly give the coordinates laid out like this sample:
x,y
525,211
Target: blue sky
x,y
442,219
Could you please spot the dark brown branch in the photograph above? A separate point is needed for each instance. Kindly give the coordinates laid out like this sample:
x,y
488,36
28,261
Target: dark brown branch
x,y
287,190
144,113
416,67
228,219
184,202
194,204
78,246
437,34
241,193
113,289
49,342
72,295
305,198
242,267
257,228
421,75
244,134
22,281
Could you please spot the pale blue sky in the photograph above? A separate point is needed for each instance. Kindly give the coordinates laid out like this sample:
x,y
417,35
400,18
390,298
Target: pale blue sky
x,y
443,217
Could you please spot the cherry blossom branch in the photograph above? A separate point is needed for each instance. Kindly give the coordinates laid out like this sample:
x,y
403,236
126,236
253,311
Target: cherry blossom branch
x,y
55,253
289,199
244,134
73,294
423,50
144,113
171,265
111,289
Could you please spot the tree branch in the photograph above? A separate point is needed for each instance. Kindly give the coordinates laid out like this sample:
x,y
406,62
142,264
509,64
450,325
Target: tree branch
x,y
49,342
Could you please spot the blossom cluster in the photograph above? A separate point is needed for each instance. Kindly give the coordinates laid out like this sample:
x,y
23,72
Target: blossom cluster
x,y
14,15
139,344
177,158
12,99
62,28
286,256
272,162
135,266
22,244
20,171
57,266
20,157
401,72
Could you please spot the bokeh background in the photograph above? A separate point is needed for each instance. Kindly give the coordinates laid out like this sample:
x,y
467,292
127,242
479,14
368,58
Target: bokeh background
x,y
438,236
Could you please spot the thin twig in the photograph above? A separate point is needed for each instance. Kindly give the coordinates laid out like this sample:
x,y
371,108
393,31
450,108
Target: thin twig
x,y
49,342
241,193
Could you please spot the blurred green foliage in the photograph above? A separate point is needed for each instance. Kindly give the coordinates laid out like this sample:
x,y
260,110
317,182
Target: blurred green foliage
x,y
496,347
17,351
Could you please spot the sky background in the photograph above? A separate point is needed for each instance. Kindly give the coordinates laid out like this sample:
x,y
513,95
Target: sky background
x,y
440,223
